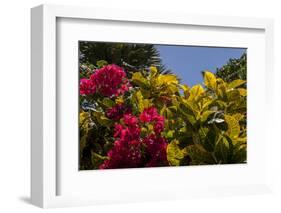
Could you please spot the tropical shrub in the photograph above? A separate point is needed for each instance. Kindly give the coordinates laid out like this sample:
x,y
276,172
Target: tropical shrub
x,y
144,118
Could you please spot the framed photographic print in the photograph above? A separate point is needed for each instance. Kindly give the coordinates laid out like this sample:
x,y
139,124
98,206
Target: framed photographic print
x,y
130,106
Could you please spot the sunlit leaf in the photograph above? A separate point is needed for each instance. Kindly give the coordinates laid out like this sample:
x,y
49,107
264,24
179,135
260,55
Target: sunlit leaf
x,y
174,153
195,92
236,83
153,71
243,92
233,126
167,79
185,89
138,79
210,80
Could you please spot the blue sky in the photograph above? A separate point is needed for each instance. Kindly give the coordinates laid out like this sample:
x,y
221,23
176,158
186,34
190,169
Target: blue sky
x,y
188,61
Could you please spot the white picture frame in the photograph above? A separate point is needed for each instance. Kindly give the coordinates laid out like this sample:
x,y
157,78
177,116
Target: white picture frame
x,y
44,150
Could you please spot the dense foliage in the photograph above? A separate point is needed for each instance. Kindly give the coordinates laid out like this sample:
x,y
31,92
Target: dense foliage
x,y
133,56
144,118
234,69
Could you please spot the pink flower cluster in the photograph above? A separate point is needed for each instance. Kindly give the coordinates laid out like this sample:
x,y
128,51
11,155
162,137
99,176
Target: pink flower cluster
x,y
126,152
117,112
151,115
87,87
130,150
107,81
155,151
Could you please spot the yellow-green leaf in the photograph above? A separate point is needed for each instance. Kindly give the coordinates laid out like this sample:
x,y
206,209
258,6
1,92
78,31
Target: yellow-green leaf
x,y
210,80
167,79
108,102
141,103
84,121
174,153
233,95
198,155
153,71
102,119
83,142
204,116
233,126
97,159
221,151
119,100
195,92
236,83
238,116
185,89
139,79
243,92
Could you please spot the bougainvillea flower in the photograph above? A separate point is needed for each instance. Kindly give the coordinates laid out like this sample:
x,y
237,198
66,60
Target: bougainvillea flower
x,y
148,114
87,87
159,124
151,115
130,120
124,154
117,112
130,149
156,147
109,80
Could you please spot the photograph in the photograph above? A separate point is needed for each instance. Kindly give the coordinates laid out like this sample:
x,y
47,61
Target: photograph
x,y
161,105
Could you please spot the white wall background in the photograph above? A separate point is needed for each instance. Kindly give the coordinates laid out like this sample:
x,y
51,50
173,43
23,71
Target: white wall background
x,y
15,103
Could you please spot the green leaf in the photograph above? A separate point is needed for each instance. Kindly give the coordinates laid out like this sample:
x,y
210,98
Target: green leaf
x,y
108,102
102,119
188,113
83,143
210,80
198,155
170,134
101,63
166,112
239,155
222,151
233,95
97,159
207,138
